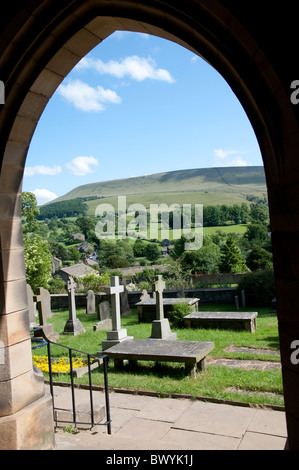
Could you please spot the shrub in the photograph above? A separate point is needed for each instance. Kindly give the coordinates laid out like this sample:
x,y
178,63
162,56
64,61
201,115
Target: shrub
x,y
259,288
178,312
94,281
57,285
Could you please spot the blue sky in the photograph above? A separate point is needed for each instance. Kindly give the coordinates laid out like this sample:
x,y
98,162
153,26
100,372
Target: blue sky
x,y
136,105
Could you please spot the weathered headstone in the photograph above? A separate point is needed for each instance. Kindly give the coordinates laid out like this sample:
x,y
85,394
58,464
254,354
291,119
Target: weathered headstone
x,y
117,334
131,287
124,303
31,305
43,303
181,293
104,310
90,302
73,326
160,326
145,295
104,316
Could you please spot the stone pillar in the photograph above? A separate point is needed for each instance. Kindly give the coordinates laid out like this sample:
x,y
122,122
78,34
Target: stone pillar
x,y
284,212
26,415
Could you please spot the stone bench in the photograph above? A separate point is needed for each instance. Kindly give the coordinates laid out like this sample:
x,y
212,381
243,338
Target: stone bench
x,y
147,308
231,320
192,353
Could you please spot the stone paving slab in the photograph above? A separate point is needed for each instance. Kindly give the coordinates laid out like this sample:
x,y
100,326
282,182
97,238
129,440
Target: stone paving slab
x,y
142,423
191,440
216,418
253,441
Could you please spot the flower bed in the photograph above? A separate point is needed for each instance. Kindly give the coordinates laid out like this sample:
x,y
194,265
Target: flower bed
x,y
62,365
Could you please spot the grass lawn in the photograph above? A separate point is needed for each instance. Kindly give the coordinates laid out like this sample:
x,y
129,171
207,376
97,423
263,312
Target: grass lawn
x,y
251,386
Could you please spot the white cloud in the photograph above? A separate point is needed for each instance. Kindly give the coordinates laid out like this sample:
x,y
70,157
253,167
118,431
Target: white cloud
x,y
42,170
87,98
137,68
223,158
122,34
44,195
80,166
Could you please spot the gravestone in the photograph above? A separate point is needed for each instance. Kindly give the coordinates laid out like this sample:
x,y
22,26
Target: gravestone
x,y
104,316
43,303
90,302
73,326
31,306
124,303
117,334
131,287
104,311
160,326
145,296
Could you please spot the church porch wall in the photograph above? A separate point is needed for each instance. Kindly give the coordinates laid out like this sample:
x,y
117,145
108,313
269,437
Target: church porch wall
x,y
31,428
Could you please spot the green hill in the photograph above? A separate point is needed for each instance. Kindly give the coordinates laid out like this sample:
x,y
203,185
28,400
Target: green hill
x,y
208,186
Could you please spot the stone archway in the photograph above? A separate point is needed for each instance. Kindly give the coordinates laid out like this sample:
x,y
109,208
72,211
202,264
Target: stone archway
x,y
40,43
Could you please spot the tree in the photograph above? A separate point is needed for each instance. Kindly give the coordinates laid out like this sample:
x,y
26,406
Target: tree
x,y
152,252
38,262
59,250
139,248
115,261
256,231
259,258
206,260
73,254
259,213
86,224
179,248
29,212
232,260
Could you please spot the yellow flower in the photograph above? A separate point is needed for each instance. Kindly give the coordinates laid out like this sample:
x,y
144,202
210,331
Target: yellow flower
x,y
61,365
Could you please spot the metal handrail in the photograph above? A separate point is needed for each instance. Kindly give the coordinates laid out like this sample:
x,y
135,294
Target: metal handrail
x,y
46,342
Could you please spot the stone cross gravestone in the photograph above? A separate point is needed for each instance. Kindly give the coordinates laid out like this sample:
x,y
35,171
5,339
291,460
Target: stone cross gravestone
x,y
73,326
90,302
43,303
160,326
117,334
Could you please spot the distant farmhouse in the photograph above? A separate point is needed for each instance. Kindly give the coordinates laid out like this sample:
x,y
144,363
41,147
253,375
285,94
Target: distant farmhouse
x,y
75,271
85,247
78,236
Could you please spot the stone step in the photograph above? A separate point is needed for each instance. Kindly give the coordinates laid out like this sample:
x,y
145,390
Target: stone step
x,y
64,417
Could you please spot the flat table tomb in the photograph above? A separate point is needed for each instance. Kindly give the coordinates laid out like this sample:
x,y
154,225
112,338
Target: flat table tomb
x,y
192,353
229,320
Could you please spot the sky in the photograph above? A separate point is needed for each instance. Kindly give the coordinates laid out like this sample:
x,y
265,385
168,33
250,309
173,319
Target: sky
x,y
136,105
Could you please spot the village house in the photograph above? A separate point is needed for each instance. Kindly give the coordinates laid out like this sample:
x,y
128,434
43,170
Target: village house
x,y
78,236
75,271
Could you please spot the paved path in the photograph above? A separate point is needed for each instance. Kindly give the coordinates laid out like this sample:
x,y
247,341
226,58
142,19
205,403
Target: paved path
x,y
151,423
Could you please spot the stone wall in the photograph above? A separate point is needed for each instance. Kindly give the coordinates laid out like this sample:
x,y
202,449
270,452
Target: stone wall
x,y
206,296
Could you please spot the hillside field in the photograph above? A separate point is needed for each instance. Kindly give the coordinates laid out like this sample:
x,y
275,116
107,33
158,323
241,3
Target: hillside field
x,y
202,186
